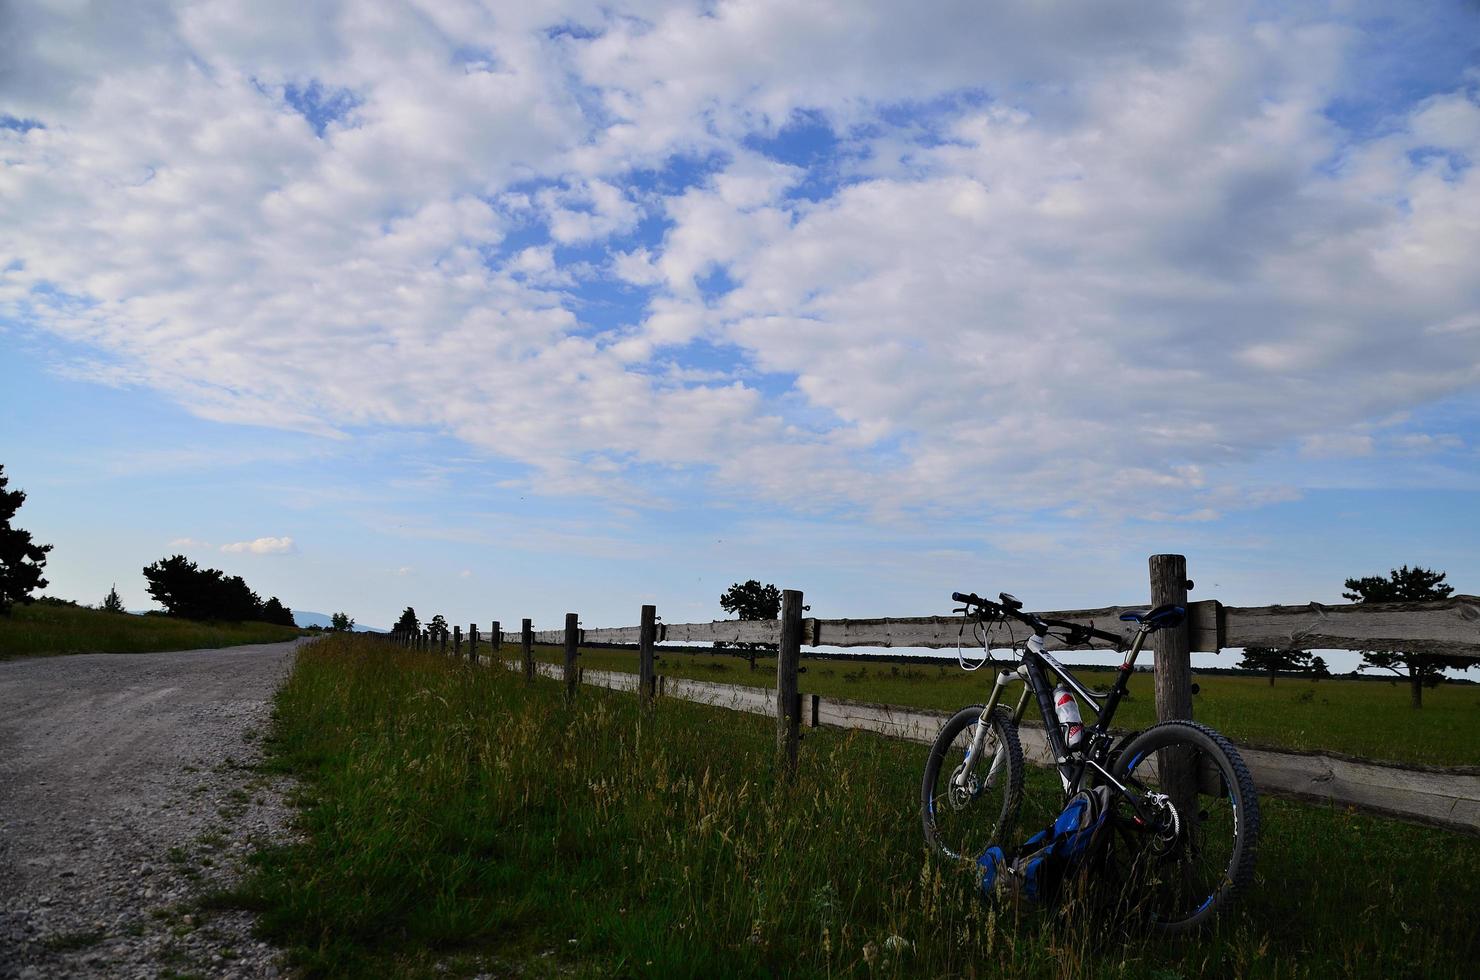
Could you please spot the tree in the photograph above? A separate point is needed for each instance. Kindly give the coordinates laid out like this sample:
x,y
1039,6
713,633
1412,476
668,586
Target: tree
x,y
274,611
1407,585
21,559
1275,660
438,628
341,623
191,592
1318,668
408,624
113,602
752,600
178,584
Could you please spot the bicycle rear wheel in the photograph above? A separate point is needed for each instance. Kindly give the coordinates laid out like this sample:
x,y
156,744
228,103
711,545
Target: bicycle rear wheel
x,y
963,821
1190,849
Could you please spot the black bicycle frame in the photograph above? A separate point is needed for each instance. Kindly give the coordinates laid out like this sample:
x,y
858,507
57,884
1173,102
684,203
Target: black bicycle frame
x,y
1033,671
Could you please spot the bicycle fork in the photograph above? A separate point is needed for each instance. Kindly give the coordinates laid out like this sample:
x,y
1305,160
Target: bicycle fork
x,y
962,777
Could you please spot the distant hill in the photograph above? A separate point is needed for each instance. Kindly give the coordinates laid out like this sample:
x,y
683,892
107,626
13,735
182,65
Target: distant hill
x,y
305,619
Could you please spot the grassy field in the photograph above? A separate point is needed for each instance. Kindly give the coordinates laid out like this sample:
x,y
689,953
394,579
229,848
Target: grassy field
x,y
1361,718
45,630
457,820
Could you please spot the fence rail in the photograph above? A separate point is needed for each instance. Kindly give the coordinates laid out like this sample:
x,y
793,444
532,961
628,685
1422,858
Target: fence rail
x,y
1448,628
1444,628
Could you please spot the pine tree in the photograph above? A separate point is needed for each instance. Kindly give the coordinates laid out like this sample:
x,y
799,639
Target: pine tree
x,y
1407,585
1275,660
21,559
752,600
112,602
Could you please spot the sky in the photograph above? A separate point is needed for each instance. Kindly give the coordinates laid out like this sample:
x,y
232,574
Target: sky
x,y
505,310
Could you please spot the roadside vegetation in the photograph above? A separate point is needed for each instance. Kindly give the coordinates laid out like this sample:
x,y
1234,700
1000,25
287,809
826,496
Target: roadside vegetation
x,y
50,628
458,820
1371,719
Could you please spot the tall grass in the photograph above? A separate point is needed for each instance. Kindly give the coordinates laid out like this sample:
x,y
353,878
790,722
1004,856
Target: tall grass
x,y
47,630
1362,718
458,820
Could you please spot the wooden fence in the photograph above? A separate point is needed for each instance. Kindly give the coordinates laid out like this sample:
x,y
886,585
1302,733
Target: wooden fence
x,y
1448,628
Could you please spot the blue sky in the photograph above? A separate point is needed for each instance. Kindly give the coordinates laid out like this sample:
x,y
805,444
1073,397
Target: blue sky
x,y
506,314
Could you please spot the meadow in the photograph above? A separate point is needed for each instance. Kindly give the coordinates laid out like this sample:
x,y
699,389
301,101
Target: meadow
x,y
1369,719
44,630
456,820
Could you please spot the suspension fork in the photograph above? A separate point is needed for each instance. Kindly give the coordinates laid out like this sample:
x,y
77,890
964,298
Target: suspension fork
x,y
979,738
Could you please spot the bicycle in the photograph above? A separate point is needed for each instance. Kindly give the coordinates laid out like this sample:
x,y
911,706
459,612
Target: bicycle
x,y
1183,822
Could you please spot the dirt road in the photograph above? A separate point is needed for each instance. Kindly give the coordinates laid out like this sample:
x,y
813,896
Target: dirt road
x,y
124,795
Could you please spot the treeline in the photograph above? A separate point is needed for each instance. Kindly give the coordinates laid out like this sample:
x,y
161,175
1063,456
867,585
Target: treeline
x,y
191,592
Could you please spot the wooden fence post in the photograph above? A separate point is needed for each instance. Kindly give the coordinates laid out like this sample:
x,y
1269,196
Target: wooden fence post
x,y
526,649
1173,676
647,634
788,699
572,650
444,642
496,639
456,642
473,642
1173,666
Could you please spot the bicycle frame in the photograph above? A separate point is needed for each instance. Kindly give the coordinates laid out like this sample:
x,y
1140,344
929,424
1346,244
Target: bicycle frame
x,y
1073,766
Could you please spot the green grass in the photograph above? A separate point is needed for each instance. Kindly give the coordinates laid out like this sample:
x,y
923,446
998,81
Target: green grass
x,y
41,630
1370,719
459,820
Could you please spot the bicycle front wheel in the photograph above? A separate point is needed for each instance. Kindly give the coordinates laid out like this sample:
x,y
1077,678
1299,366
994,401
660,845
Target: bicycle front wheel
x,y
965,813
1186,849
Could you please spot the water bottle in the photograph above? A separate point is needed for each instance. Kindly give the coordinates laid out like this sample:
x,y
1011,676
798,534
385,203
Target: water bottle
x,y
1067,710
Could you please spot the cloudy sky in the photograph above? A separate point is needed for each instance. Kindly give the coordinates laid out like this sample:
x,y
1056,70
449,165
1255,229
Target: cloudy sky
x,y
505,310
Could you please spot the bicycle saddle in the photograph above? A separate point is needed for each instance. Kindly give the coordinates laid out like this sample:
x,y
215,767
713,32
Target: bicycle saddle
x,y
1158,619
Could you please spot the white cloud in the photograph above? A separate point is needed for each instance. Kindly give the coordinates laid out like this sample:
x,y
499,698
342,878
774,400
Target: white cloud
x,y
261,546
189,543
1135,252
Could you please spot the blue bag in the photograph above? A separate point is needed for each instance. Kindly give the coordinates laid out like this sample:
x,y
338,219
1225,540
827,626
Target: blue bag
x,y
1045,860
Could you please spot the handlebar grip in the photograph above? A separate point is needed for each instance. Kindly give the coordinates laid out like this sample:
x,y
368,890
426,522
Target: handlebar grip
x,y
963,597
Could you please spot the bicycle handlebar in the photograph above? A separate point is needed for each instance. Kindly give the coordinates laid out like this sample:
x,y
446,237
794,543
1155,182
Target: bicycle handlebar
x,y
1077,632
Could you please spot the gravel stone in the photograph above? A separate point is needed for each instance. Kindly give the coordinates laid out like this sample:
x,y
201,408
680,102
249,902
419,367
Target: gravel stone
x,y
106,761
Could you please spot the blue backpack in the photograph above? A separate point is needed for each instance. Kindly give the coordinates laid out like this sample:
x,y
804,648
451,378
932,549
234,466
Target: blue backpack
x,y
1045,860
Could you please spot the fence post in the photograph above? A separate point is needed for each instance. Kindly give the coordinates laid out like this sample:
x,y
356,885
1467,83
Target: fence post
x,y
457,642
788,699
1173,667
496,639
647,634
473,642
572,649
1172,674
444,642
526,649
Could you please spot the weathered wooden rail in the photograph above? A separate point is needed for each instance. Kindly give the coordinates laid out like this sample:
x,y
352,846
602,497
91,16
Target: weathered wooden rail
x,y
1445,628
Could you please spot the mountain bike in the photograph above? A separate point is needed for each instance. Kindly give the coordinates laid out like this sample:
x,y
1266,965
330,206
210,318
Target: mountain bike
x,y
1183,821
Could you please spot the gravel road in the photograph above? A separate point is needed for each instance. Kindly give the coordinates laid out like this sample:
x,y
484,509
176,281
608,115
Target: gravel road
x,y
125,794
